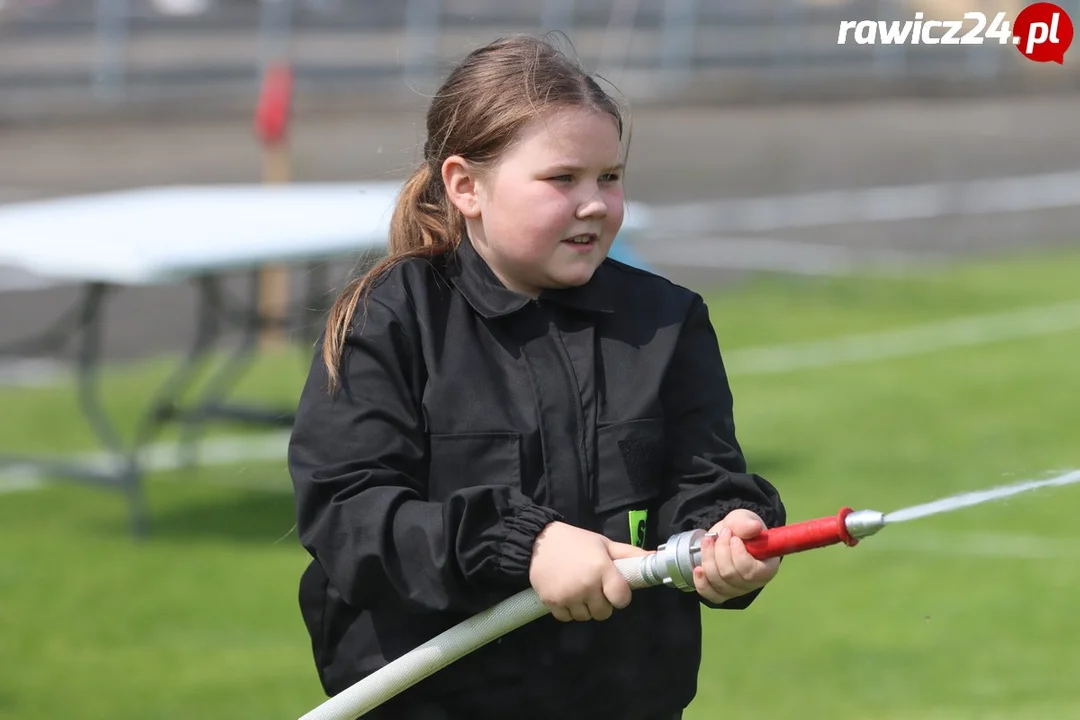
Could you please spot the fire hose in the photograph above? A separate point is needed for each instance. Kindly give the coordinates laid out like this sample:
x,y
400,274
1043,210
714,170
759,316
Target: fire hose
x,y
672,565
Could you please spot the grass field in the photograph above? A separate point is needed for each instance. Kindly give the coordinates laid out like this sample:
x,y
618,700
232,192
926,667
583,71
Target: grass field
x,y
968,615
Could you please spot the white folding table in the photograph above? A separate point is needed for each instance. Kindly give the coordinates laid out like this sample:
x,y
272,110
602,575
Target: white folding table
x,y
105,242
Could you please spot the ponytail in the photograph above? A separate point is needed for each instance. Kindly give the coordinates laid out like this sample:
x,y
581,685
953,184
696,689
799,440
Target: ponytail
x,y
424,225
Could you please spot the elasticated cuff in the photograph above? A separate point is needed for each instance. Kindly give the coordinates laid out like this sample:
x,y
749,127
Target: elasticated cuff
x,y
523,526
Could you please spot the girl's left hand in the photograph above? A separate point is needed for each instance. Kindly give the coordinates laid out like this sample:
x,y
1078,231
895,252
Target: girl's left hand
x,y
727,569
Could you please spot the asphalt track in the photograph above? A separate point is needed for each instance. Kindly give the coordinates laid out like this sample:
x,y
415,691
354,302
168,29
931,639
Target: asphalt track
x,y
693,156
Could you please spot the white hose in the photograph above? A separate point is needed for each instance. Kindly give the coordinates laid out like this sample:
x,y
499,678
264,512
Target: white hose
x,y
445,648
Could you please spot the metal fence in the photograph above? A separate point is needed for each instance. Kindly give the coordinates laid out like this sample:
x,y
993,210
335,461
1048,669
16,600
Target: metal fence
x,y
120,53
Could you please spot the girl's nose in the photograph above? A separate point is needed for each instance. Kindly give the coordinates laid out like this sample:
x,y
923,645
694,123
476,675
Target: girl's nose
x,y
594,207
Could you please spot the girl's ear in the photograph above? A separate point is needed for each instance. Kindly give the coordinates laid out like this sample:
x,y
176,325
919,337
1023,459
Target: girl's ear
x,y
460,181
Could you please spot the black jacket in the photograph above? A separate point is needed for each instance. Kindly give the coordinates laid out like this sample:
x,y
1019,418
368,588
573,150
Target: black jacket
x,y
470,417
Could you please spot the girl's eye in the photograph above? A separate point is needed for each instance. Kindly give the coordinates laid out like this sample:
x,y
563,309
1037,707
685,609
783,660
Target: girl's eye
x,y
606,178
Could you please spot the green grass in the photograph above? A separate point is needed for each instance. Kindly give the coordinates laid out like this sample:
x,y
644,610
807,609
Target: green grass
x,y
968,615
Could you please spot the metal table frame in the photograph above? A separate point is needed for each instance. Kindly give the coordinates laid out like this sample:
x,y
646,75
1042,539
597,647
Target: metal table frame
x,y
83,326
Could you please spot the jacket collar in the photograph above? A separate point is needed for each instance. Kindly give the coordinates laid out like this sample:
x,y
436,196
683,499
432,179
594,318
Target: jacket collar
x,y
476,281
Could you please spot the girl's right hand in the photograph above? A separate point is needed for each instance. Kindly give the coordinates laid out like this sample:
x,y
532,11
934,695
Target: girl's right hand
x,y
573,571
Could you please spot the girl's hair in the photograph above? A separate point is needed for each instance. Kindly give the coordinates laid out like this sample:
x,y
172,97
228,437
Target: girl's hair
x,y
478,112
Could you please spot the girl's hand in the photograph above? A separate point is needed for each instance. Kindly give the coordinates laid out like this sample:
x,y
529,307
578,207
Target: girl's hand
x,y
727,569
573,572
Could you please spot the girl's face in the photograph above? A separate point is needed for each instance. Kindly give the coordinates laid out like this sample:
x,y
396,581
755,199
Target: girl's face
x,y
545,216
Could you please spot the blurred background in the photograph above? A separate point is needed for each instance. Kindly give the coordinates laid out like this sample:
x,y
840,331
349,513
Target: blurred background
x,y
886,236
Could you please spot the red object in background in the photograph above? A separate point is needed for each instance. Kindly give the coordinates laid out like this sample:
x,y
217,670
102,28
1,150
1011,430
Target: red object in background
x,y
275,104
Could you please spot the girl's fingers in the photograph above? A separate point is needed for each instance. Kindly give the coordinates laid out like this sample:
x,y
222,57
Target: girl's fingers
x,y
714,561
726,574
705,590
744,524
598,607
560,613
710,563
580,612
745,566
753,573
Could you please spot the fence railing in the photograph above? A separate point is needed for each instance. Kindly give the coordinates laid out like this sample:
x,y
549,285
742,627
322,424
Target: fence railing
x,y
116,53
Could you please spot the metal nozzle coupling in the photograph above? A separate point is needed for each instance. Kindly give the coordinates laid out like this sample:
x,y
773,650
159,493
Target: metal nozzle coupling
x,y
864,523
673,562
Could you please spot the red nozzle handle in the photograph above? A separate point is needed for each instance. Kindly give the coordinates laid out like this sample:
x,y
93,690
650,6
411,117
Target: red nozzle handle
x,y
807,535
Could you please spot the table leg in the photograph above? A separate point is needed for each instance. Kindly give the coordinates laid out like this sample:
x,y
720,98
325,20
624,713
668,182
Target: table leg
x,y
166,406
212,401
88,365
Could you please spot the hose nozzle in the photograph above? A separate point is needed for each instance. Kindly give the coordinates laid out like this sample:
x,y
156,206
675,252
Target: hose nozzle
x,y
673,562
847,526
863,523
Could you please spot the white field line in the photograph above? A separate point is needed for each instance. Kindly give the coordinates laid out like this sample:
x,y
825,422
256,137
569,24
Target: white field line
x,y
875,204
227,450
915,340
772,359
761,253
39,372
972,544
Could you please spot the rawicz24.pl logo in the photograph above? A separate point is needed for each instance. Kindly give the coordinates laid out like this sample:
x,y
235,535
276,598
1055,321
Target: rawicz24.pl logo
x,y
1042,32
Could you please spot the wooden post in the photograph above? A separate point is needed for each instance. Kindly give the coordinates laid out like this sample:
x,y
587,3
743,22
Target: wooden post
x,y
271,124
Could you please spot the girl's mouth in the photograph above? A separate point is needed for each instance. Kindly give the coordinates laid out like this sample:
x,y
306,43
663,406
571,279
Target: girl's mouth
x,y
582,241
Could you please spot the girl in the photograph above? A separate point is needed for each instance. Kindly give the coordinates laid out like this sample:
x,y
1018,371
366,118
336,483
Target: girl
x,y
499,405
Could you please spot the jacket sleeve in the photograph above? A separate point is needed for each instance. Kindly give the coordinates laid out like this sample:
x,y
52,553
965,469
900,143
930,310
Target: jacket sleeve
x,y
707,475
358,461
